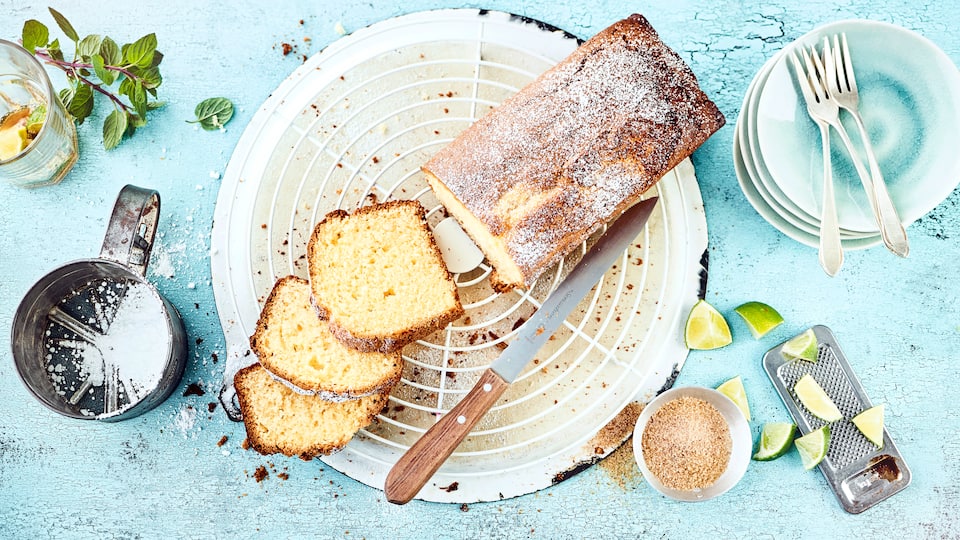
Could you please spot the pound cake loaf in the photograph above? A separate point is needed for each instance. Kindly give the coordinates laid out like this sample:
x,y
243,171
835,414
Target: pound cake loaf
x,y
378,276
279,420
293,344
536,176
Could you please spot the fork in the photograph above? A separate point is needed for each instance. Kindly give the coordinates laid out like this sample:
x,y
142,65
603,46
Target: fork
x,y
819,107
842,87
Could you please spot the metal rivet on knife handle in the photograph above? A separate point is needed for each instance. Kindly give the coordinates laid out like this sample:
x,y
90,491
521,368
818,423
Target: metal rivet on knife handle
x,y
418,464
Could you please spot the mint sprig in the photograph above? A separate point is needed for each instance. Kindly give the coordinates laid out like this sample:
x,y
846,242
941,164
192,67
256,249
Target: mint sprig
x,y
128,75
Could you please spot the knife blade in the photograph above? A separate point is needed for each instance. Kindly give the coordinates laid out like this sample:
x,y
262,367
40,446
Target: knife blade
x,y
415,467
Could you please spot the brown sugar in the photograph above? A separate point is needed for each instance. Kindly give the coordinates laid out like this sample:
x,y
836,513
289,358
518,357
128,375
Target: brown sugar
x,y
619,465
687,444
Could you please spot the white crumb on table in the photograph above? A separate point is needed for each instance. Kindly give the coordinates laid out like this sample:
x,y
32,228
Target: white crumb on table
x,y
185,419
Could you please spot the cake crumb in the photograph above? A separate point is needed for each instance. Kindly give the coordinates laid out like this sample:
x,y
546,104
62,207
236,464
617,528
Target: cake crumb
x,y
261,474
193,389
222,441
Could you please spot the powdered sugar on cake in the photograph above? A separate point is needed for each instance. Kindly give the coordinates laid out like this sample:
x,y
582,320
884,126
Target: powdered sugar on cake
x,y
580,144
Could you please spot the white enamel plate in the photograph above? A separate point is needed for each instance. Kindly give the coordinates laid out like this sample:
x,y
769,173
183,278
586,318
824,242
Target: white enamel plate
x,y
352,126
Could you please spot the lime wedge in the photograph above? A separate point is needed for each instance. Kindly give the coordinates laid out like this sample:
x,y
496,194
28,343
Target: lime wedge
x,y
803,347
706,328
734,390
12,141
870,423
775,440
813,447
816,400
760,318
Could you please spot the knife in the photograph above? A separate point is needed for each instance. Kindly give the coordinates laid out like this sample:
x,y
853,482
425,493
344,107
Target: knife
x,y
421,461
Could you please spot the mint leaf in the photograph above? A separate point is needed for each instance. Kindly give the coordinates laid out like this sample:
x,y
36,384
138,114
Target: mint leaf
x,y
129,76
126,86
37,117
135,121
53,49
151,76
66,95
140,53
102,72
213,113
89,46
64,25
110,52
157,58
81,102
139,98
35,34
114,126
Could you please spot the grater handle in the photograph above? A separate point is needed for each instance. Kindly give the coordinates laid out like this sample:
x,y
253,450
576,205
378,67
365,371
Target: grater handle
x,y
133,224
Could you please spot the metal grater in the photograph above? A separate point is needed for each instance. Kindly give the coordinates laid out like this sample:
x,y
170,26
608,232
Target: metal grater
x,y
860,474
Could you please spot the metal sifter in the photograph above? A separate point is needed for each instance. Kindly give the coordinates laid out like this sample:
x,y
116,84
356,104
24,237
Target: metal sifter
x,y
93,339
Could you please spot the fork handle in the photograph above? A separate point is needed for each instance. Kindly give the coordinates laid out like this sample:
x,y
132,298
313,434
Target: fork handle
x,y
831,250
891,228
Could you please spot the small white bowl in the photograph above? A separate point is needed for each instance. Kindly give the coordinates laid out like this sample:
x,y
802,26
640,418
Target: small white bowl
x,y
739,434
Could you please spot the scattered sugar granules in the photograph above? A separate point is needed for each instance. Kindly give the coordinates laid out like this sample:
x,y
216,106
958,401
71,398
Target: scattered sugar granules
x,y
186,418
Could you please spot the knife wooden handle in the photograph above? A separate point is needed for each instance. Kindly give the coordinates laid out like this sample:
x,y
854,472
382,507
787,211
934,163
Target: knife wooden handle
x,y
417,465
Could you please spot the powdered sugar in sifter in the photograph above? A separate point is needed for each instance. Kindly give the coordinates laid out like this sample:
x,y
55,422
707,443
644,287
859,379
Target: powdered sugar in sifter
x,y
93,339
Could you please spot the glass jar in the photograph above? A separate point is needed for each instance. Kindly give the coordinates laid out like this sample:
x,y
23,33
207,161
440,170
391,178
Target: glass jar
x,y
52,149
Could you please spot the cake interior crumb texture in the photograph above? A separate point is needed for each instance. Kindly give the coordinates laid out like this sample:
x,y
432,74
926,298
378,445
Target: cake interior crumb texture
x,y
532,179
294,344
279,420
378,275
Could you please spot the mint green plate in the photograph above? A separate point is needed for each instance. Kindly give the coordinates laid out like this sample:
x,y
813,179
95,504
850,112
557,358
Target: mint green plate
x,y
910,103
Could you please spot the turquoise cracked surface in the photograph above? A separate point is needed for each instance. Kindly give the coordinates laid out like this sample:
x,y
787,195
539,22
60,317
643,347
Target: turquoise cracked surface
x,y
164,475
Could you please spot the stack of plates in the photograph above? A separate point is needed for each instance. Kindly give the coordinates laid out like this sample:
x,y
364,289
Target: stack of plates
x,y
910,103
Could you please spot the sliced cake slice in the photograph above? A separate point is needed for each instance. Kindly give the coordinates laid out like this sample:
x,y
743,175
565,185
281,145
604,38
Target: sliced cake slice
x,y
378,276
293,344
279,420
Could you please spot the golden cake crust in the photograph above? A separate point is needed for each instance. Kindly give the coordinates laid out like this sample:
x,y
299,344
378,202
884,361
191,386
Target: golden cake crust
x,y
289,306
536,176
304,426
418,323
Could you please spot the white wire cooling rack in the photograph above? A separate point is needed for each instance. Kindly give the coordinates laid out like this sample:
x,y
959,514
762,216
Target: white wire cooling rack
x,y
351,126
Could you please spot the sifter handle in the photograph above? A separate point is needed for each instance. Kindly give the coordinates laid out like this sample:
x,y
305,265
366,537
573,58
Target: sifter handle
x,y
133,224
